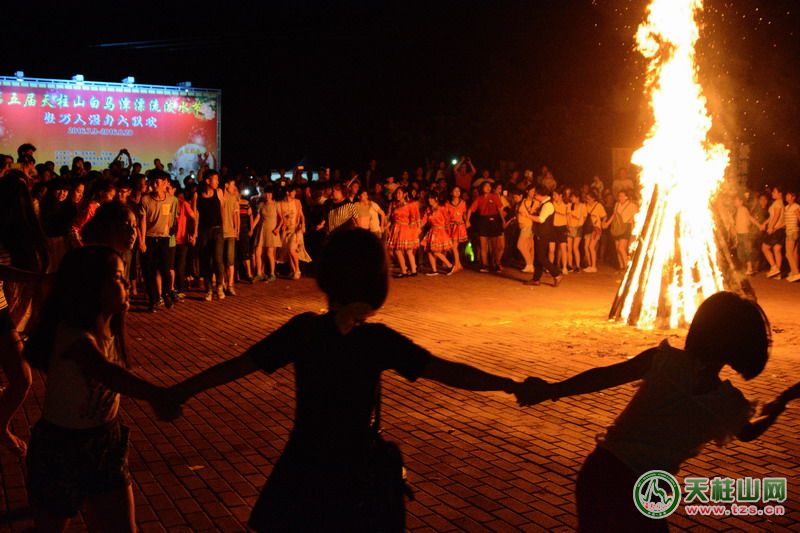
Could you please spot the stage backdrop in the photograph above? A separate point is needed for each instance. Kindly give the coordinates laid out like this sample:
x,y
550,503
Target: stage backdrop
x,y
64,119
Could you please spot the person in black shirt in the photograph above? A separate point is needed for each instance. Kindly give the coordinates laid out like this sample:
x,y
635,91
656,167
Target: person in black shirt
x,y
317,484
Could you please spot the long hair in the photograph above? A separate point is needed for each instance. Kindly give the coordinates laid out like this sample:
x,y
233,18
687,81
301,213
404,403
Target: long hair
x,y
20,231
107,221
76,300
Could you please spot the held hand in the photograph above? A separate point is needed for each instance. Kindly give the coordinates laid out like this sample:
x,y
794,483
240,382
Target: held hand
x,y
773,408
532,391
167,404
13,443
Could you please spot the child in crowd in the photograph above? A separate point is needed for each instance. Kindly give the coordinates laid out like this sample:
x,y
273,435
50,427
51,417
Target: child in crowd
x,y
78,453
681,405
338,361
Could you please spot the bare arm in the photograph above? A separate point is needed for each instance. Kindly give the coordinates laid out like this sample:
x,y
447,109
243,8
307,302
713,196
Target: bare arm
x,y
143,233
755,428
217,375
94,365
18,275
466,377
605,377
301,217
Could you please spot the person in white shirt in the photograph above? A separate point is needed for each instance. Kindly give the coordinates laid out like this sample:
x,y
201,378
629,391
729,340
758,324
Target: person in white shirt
x,y
621,222
542,235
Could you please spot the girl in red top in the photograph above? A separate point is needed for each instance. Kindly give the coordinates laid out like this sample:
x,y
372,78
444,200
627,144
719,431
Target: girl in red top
x,y
437,241
456,210
490,225
403,238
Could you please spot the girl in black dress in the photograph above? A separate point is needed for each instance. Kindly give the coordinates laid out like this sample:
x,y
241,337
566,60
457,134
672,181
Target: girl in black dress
x,y
318,482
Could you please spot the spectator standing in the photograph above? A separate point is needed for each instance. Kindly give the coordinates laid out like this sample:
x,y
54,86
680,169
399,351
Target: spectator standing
x,y
231,222
576,218
592,231
776,234
791,215
267,226
155,222
210,238
243,244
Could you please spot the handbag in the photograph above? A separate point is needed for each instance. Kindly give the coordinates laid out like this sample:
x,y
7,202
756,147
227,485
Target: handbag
x,y
385,486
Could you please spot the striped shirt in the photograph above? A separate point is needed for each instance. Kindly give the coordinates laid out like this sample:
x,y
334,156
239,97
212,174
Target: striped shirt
x,y
5,259
791,214
340,214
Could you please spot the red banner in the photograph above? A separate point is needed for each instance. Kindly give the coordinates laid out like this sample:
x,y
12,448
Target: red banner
x,y
94,121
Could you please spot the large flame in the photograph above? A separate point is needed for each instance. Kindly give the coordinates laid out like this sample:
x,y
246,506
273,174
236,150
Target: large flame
x,y
674,266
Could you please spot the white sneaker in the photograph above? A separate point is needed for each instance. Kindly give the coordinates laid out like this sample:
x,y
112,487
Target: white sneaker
x,y
528,268
793,279
220,293
590,269
774,272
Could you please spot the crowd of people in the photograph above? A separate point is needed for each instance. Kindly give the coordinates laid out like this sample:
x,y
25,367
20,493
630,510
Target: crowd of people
x,y
96,237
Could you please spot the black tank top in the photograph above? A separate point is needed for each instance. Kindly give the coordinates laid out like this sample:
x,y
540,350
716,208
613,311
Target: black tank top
x,y
210,211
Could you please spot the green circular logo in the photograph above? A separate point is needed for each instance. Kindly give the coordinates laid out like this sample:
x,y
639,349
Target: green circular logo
x,y
656,494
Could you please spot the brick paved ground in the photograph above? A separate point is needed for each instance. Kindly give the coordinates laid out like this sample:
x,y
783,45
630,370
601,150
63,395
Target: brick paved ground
x,y
477,462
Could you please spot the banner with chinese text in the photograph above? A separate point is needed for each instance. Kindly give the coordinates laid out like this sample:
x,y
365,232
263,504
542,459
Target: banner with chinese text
x,y
65,119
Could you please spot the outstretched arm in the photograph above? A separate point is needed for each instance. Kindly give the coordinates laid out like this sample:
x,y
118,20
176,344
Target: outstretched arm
x,y
604,377
467,377
596,379
769,414
217,375
755,428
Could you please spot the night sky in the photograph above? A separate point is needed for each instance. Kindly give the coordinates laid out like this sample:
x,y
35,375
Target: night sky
x,y
555,82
